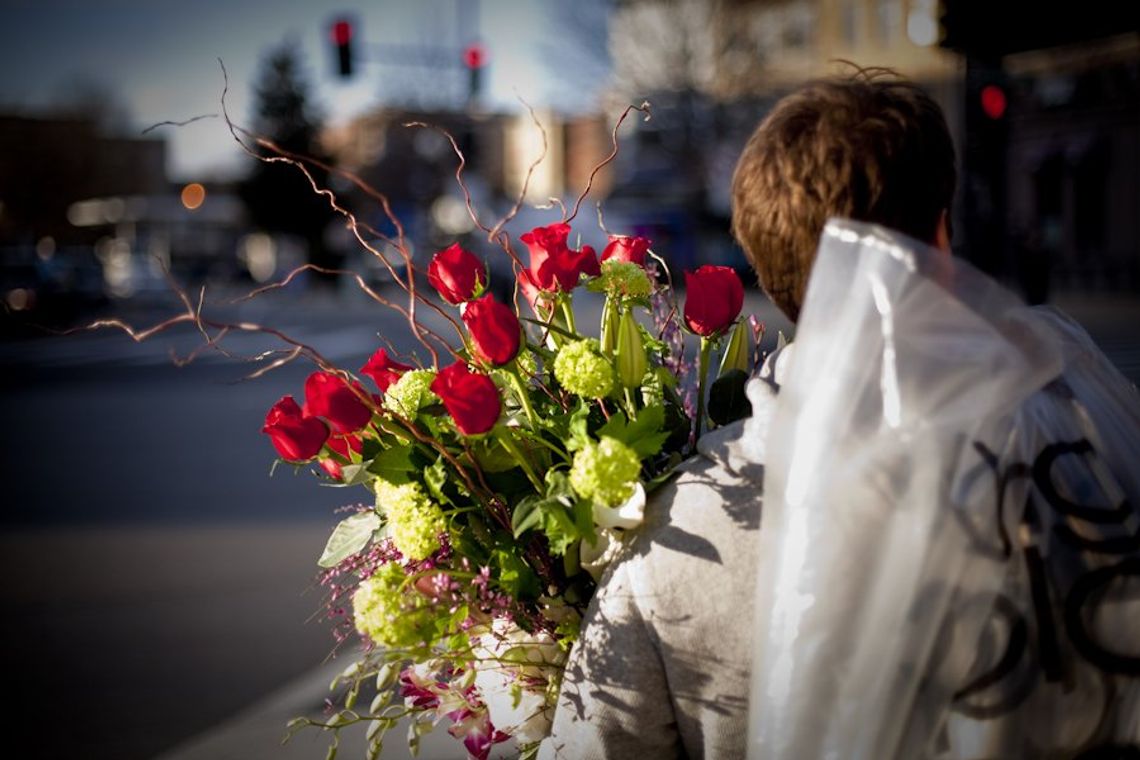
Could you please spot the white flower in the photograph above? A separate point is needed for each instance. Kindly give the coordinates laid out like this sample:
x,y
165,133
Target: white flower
x,y
512,671
595,557
628,515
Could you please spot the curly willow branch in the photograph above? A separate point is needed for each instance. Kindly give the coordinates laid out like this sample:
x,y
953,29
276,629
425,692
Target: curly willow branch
x,y
644,108
299,162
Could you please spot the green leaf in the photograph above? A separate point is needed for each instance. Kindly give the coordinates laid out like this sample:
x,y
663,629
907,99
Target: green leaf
x,y
526,515
727,400
350,536
394,465
579,427
614,427
515,576
353,475
643,435
435,477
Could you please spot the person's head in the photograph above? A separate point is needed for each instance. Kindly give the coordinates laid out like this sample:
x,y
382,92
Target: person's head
x,y
871,147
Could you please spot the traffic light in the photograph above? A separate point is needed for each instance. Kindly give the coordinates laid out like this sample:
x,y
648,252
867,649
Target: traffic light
x,y
993,101
985,159
341,34
474,58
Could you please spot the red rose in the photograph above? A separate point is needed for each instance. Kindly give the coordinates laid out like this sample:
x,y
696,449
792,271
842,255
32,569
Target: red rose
x,y
714,297
329,396
626,248
494,328
553,264
457,274
342,443
471,398
383,370
296,436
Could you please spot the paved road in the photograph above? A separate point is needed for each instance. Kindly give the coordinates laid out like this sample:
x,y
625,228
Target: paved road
x,y
156,577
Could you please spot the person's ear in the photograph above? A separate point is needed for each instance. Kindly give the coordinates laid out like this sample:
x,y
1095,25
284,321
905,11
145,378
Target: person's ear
x,y
942,233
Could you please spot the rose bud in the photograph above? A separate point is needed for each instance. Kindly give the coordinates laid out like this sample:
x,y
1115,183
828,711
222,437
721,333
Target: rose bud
x,y
341,444
296,437
630,248
538,301
714,297
329,396
383,369
332,468
554,266
471,398
457,274
495,330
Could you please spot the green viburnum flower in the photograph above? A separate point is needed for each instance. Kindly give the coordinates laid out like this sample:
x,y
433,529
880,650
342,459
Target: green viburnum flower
x,y
414,520
410,393
581,369
622,279
606,472
390,614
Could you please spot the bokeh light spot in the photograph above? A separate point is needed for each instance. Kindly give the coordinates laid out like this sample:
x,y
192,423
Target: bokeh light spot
x,y
193,195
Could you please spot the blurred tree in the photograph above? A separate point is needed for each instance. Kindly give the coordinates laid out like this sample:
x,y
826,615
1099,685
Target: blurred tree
x,y
277,195
84,97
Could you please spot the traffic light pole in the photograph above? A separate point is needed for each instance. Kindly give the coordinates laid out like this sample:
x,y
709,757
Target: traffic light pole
x,y
984,166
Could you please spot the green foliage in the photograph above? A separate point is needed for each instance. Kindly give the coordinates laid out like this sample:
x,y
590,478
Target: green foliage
x,y
645,435
393,465
515,576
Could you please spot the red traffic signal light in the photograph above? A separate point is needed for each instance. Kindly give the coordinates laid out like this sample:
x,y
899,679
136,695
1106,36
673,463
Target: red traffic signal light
x,y
994,101
341,34
474,56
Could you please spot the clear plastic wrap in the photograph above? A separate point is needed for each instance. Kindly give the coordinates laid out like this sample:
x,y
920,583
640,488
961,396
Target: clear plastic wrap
x,y
950,545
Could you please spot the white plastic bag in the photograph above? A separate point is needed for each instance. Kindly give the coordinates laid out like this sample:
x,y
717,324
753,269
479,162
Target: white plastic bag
x,y
950,546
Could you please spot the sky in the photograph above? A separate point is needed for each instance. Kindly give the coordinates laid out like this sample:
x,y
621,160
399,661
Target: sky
x,y
160,59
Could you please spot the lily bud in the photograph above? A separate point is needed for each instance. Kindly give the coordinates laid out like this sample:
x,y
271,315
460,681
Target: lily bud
x,y
736,353
609,326
631,359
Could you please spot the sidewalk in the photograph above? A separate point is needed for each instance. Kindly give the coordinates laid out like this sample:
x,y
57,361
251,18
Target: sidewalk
x,y
257,732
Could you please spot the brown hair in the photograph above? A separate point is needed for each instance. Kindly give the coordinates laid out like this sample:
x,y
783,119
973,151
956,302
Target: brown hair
x,y
871,146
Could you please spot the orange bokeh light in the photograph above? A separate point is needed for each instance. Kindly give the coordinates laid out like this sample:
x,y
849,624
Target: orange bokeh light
x,y
193,195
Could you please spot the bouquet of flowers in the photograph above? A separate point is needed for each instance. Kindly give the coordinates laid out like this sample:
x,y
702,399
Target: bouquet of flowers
x,y
502,480
503,483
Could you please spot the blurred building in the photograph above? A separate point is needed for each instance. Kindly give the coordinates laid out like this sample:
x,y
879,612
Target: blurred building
x,y
1041,100
86,216
49,163
413,167
712,69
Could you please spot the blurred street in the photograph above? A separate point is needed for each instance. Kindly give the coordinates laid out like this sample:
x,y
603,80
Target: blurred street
x,y
159,579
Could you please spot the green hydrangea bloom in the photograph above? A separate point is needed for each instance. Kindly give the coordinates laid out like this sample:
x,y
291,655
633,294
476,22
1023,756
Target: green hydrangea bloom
x,y
391,614
414,520
605,471
410,393
623,278
581,369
